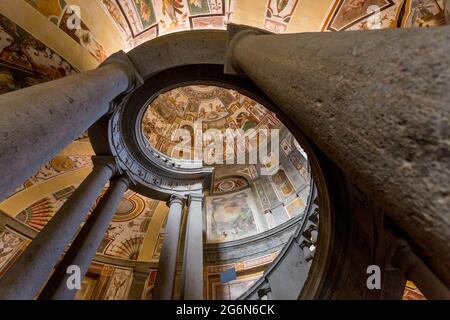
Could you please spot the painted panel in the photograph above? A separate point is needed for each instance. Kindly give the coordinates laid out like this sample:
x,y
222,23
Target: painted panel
x,y
119,285
279,14
63,16
348,13
11,246
232,217
424,13
25,61
143,20
282,184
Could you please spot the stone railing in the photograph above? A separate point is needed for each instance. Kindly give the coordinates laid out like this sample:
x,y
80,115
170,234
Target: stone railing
x,y
294,260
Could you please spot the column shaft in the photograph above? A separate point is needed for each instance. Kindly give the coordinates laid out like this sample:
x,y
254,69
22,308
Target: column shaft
x,y
192,276
86,243
376,103
29,273
39,121
415,270
165,278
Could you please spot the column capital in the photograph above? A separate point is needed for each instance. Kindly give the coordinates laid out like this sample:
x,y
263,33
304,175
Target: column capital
x,y
106,161
122,60
175,198
236,32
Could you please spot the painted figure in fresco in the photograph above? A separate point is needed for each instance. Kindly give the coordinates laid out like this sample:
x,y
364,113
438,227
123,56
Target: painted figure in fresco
x,y
8,243
232,218
353,6
117,16
196,3
246,121
172,8
145,10
426,13
117,283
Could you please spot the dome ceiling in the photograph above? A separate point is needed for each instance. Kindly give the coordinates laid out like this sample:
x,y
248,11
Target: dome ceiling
x,y
210,107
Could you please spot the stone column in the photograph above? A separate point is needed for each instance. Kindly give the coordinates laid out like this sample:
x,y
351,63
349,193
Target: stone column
x,y
415,270
84,247
192,276
29,273
165,278
39,121
376,103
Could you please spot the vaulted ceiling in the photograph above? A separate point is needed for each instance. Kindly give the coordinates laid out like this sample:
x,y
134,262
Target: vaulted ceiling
x,y
106,26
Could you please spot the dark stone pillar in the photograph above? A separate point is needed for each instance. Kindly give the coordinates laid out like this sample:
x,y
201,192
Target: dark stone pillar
x,y
165,278
29,273
376,103
415,270
39,121
85,245
192,275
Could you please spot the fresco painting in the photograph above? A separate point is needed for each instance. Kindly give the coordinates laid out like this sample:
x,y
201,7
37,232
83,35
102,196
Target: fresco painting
x,y
125,234
231,217
25,61
63,15
282,184
142,20
424,13
279,14
216,107
11,246
296,207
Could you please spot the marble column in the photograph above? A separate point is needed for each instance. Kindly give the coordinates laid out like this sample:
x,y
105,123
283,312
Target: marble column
x,y
165,279
39,121
84,247
376,103
192,275
28,275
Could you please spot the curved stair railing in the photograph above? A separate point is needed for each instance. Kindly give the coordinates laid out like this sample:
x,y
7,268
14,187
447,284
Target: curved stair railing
x,y
286,276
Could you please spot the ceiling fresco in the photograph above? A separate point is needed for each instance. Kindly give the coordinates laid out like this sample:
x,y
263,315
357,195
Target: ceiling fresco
x,y
65,17
26,61
379,14
101,27
208,106
142,20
